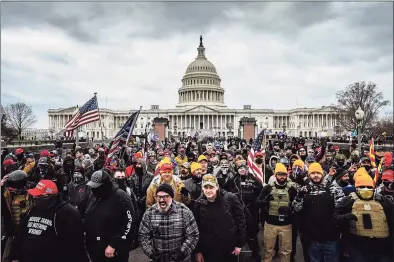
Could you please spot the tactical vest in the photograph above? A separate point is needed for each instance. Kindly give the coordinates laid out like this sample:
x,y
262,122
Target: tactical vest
x,y
373,208
281,199
18,205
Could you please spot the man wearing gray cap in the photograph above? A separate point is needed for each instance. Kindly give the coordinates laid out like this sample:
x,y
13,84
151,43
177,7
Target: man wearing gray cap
x,y
109,220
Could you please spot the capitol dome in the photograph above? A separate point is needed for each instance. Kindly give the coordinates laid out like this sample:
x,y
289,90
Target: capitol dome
x,y
201,83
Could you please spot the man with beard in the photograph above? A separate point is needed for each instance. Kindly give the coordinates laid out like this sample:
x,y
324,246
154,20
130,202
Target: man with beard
x,y
152,162
317,201
184,171
168,230
15,203
139,184
343,181
328,162
193,184
224,173
275,199
108,220
51,225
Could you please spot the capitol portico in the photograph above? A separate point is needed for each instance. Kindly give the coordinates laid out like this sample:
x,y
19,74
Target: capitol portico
x,y
201,108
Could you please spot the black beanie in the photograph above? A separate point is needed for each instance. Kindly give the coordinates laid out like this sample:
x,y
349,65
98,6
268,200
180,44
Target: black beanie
x,y
166,188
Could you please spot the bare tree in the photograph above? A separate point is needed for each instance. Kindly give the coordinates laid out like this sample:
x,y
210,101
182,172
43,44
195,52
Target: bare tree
x,y
19,116
361,94
384,125
6,131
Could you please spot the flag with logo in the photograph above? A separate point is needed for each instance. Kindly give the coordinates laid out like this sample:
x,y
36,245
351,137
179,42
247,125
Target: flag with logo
x,y
253,168
122,137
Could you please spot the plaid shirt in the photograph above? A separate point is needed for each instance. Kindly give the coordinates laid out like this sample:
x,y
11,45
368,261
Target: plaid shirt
x,y
166,232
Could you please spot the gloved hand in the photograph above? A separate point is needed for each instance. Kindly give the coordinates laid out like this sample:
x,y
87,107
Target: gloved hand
x,y
268,198
155,256
303,191
184,191
178,255
351,217
284,210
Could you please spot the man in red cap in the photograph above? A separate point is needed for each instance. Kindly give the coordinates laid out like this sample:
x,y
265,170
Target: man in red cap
x,y
51,231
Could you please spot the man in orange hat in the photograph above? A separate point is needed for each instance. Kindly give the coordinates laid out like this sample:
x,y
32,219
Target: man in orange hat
x,y
181,194
50,226
368,220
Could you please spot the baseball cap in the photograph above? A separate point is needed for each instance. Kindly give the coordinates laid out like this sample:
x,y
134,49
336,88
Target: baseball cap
x,y
98,178
209,180
44,187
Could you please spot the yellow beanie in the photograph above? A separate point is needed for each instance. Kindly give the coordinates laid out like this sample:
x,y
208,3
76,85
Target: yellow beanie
x,y
362,178
165,160
201,158
194,166
280,168
299,163
315,167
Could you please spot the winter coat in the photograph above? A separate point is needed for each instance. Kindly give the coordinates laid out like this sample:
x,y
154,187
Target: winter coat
x,y
50,235
175,229
222,223
109,221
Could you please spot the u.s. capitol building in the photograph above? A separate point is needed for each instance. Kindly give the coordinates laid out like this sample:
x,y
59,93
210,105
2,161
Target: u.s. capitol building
x,y
201,108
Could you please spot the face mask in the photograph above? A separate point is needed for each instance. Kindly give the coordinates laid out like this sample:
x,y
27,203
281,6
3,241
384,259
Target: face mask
x,y
45,202
224,170
121,183
388,184
138,170
78,177
102,191
340,163
365,193
259,161
288,155
367,168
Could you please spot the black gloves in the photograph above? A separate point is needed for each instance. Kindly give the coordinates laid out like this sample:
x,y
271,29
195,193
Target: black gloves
x,y
184,191
303,191
178,255
284,211
155,256
351,217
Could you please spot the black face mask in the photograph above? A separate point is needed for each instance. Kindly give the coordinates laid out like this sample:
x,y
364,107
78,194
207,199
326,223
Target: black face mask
x,y
340,164
388,184
138,170
259,161
102,191
121,183
45,202
367,168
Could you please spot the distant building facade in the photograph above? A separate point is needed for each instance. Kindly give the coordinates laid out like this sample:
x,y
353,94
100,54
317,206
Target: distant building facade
x,y
201,108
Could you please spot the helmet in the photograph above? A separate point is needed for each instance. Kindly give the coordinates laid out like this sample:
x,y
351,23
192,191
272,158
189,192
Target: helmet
x,y
17,180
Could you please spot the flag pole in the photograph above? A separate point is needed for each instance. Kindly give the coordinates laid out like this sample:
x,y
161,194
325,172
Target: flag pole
x,y
265,154
98,110
77,138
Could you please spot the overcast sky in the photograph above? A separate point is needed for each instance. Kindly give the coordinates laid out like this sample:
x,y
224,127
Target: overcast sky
x,y
269,55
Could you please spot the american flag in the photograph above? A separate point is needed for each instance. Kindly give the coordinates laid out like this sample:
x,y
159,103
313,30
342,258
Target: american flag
x,y
122,137
253,168
86,114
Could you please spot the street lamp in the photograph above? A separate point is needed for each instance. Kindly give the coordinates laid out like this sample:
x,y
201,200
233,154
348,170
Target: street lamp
x,y
359,116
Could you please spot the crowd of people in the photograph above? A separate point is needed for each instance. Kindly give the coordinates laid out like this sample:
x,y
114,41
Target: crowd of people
x,y
199,200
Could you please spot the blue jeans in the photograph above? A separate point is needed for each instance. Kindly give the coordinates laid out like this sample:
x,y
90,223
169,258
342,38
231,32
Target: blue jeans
x,y
327,251
356,255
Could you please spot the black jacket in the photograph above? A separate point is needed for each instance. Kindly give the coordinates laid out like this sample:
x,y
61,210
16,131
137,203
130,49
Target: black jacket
x,y
50,235
221,223
109,221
